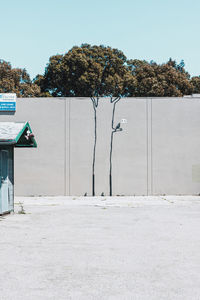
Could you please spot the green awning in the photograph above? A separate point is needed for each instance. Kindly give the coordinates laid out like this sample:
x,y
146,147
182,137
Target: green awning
x,y
18,134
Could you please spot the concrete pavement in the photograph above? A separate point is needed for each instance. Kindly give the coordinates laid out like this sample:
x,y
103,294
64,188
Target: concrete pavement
x,y
139,248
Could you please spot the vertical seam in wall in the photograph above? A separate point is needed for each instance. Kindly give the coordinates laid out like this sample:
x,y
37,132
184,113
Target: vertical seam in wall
x,y
147,141
69,148
151,146
65,147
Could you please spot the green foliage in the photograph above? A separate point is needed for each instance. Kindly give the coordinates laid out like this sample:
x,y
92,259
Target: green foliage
x,y
165,80
94,71
87,71
90,71
15,80
195,81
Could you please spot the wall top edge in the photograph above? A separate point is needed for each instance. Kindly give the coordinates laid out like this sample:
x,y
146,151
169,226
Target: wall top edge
x,y
105,98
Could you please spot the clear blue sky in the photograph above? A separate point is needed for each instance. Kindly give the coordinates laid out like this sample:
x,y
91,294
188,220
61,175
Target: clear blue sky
x,y
33,30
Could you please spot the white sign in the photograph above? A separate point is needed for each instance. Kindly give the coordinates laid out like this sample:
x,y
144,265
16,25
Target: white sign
x,y
8,102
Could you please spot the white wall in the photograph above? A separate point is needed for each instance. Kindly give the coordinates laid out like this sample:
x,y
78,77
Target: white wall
x,y
156,153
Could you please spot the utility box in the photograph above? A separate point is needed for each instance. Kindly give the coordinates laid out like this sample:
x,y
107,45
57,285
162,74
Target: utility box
x,y
11,135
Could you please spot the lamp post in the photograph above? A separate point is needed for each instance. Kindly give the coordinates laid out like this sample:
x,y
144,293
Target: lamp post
x,y
114,130
95,103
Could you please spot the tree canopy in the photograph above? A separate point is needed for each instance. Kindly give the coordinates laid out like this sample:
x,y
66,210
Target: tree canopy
x,y
165,80
196,84
15,80
87,71
99,71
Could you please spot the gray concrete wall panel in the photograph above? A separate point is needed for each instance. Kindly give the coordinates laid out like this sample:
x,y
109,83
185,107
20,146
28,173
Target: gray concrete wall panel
x,y
176,144
80,146
40,171
130,148
157,152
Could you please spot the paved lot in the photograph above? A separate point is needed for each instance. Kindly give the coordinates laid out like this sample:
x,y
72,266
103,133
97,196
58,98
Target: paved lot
x,y
136,248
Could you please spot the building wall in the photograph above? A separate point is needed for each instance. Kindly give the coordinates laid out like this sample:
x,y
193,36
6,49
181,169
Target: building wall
x,y
157,152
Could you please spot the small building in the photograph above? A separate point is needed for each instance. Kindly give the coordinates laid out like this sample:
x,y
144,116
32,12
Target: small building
x,y
11,135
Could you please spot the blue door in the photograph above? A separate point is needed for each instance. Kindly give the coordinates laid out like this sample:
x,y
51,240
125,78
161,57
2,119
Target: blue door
x,y
4,181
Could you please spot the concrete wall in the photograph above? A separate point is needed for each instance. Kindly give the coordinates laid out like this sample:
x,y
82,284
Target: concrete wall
x,y
157,152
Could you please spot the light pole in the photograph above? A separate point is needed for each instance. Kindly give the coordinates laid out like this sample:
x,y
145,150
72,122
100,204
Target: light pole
x,y
95,102
114,130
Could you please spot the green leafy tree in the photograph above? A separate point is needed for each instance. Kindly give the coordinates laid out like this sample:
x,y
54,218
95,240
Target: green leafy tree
x,y
87,71
99,71
166,80
15,80
195,81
